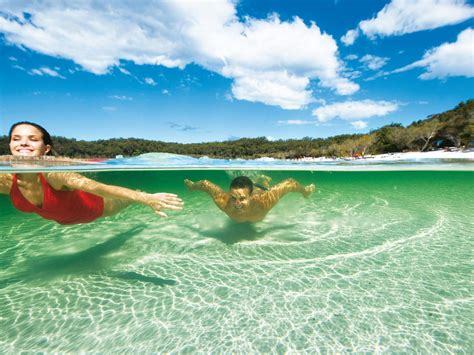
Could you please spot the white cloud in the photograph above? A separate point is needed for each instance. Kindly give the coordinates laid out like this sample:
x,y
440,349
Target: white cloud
x,y
351,73
13,59
407,16
296,122
46,71
319,101
109,108
150,81
359,124
350,37
19,67
121,97
124,71
354,110
283,57
373,62
378,75
165,92
273,88
449,59
351,57
228,96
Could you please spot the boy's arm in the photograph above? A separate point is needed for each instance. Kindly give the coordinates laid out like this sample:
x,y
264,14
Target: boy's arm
x,y
270,198
218,195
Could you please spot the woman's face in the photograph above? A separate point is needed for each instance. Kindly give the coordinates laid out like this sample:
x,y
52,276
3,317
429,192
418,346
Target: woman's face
x,y
28,141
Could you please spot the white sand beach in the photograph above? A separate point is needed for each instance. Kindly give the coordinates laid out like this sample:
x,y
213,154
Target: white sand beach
x,y
467,154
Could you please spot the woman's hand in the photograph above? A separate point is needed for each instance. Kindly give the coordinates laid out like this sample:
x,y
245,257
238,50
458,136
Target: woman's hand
x,y
162,200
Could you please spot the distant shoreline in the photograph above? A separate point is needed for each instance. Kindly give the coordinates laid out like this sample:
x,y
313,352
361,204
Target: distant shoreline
x,y
467,154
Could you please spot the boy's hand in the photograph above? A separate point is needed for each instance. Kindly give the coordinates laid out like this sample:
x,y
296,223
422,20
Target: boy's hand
x,y
308,190
189,184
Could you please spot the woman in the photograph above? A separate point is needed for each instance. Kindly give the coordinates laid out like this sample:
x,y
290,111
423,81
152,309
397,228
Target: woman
x,y
66,197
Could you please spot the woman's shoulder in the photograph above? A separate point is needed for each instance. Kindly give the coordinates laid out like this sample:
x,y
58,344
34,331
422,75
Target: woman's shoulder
x,y
64,180
61,176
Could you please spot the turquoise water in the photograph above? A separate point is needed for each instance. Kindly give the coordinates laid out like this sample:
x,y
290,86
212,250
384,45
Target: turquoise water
x,y
374,261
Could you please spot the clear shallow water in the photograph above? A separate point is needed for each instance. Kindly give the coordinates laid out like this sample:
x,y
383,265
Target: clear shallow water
x,y
373,261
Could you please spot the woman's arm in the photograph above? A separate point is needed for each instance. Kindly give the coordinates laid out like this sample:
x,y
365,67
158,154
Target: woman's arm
x,y
76,181
5,183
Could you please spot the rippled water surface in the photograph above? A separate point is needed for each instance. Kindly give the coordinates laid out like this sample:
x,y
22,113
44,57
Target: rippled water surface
x,y
371,262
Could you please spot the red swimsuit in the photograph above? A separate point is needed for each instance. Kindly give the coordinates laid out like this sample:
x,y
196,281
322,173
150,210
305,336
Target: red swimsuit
x,y
64,207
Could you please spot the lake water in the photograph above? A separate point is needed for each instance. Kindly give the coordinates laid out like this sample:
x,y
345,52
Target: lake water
x,y
376,260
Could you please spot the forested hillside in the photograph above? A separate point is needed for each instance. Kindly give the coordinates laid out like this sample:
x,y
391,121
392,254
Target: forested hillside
x,y
453,128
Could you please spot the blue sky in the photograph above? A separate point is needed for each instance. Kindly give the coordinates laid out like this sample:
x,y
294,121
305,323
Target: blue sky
x,y
194,71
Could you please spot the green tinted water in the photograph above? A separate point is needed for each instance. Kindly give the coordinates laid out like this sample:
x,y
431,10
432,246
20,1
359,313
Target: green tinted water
x,y
373,261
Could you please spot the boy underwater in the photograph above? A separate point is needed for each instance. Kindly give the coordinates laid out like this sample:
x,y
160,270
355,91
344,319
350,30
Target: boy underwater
x,y
245,203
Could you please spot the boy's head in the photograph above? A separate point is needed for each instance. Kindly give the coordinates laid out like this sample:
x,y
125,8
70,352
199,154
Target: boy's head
x,y
240,190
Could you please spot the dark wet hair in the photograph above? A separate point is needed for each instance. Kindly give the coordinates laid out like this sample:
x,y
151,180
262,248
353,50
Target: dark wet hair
x,y
46,136
242,182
